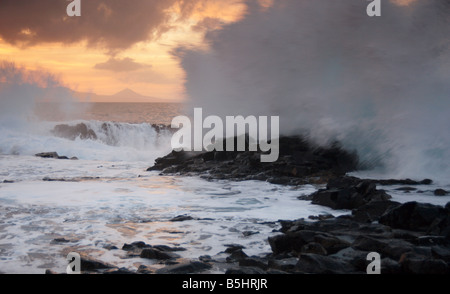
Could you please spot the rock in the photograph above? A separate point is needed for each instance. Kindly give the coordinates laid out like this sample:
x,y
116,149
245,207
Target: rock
x,y
48,155
406,189
441,252
143,269
135,245
253,262
185,268
390,267
372,210
413,216
315,248
249,233
285,264
393,248
245,270
110,247
59,241
233,247
440,192
120,271
356,258
8,182
318,264
152,253
181,218
90,264
412,264
168,248
73,132
348,193
236,255
53,155
50,272
298,159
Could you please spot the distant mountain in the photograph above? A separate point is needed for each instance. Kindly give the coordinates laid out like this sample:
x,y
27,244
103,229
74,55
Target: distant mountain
x,y
126,95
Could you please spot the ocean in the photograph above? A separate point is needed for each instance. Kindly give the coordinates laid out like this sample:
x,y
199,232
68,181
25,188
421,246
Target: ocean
x,y
106,198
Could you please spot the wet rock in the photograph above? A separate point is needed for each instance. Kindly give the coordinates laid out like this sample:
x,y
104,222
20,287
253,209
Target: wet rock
x,y
90,264
253,262
315,248
120,271
185,268
233,247
440,192
73,132
390,267
245,270
181,218
285,264
348,193
412,264
135,245
318,264
298,159
143,269
373,210
441,252
153,253
413,216
249,233
48,155
393,248
60,241
236,255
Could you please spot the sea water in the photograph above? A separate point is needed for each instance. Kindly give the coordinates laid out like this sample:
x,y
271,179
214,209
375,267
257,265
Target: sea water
x,y
106,198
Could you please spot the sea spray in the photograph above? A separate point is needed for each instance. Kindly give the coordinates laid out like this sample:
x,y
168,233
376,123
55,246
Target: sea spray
x,y
380,85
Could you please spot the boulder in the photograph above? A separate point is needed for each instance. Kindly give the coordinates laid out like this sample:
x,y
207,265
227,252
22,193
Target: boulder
x,y
348,193
153,253
189,267
318,264
414,216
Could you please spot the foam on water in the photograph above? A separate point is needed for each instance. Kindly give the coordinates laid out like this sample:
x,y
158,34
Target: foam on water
x,y
121,207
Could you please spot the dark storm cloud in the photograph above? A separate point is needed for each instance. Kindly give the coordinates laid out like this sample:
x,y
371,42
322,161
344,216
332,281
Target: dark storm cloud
x,y
112,24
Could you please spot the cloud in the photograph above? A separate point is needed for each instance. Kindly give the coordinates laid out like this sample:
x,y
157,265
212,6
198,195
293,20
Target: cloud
x,y
121,65
113,25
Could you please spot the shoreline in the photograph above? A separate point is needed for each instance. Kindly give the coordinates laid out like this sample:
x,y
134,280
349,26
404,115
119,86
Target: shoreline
x,y
411,238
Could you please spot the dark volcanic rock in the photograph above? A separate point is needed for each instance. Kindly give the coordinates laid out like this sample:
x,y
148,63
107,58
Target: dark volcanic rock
x,y
181,218
298,160
185,268
440,192
416,216
372,210
153,253
348,193
73,132
90,264
318,264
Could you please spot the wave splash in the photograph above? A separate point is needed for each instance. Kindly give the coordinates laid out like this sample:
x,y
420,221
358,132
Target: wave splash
x,y
90,140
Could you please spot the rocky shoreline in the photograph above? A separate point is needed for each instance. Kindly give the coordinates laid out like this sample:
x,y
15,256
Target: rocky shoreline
x,y
411,238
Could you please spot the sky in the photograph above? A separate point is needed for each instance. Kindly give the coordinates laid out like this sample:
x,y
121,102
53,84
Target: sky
x,y
114,44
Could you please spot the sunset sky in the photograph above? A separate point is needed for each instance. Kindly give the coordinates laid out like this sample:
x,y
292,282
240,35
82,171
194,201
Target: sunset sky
x,y
114,44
